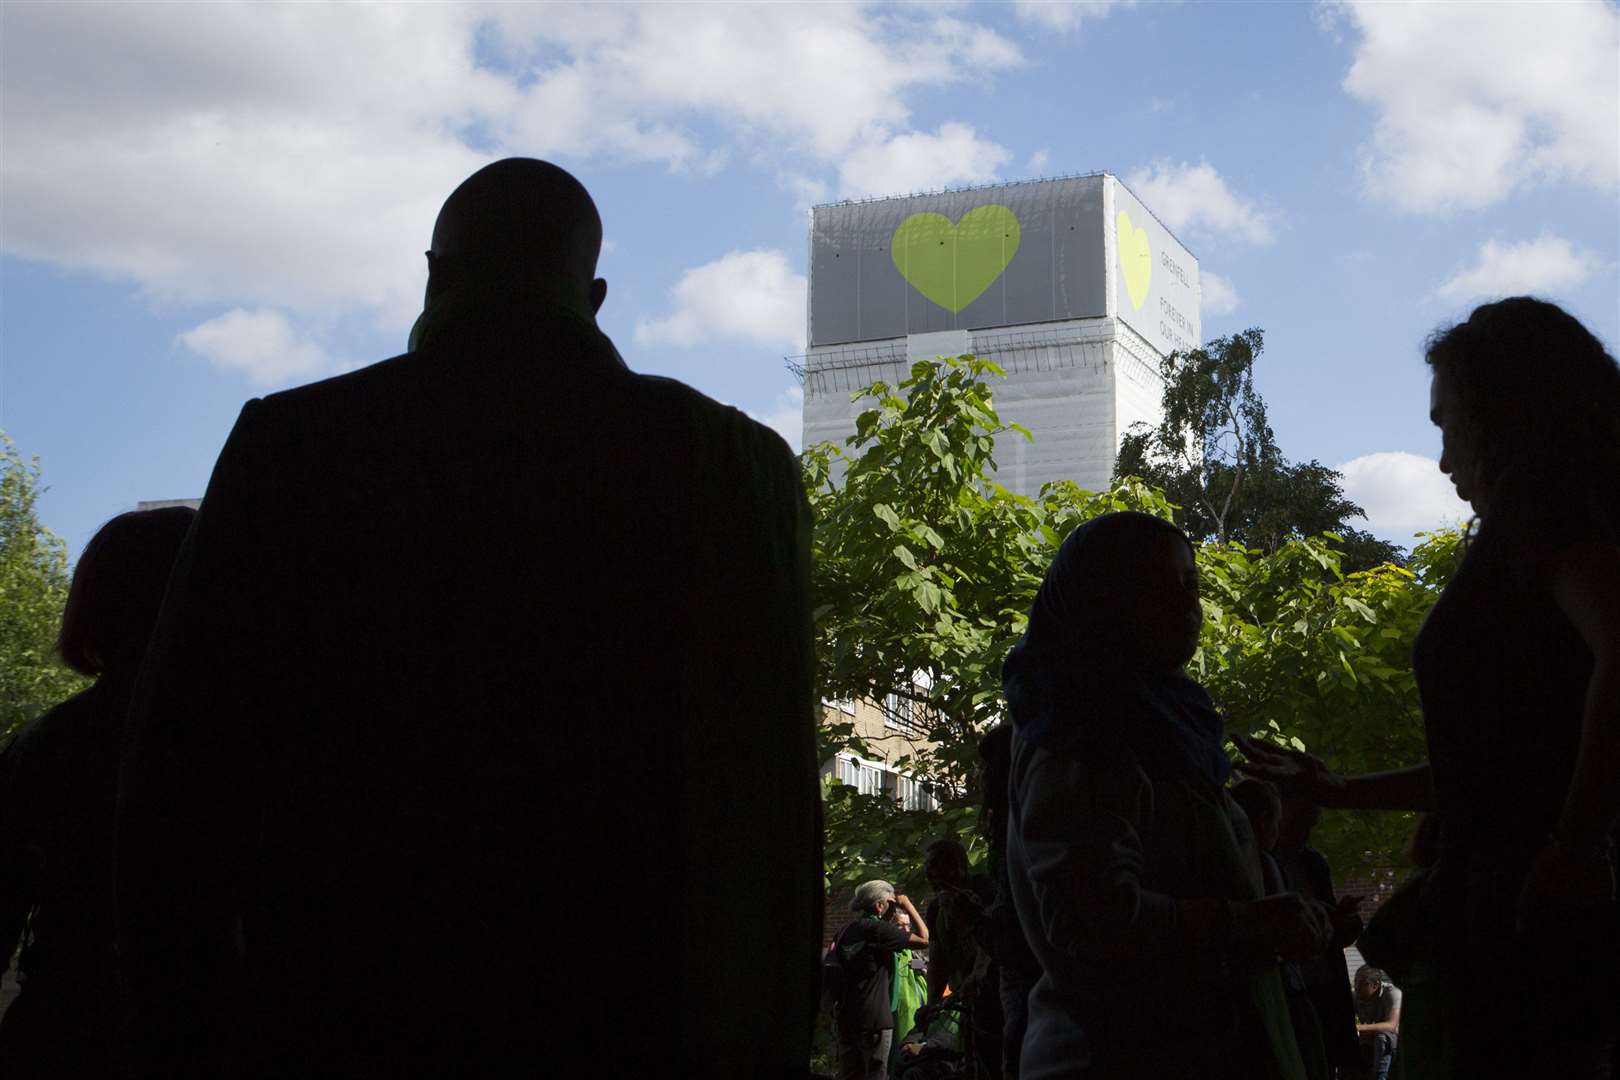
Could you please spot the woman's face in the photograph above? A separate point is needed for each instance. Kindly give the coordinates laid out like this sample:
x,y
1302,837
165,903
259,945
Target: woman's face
x,y
1461,456
1166,615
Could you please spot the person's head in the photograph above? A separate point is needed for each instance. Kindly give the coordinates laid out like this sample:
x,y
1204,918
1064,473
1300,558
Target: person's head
x,y
898,916
1298,818
1263,806
117,589
995,765
518,220
873,898
1369,981
1521,382
946,864
1122,594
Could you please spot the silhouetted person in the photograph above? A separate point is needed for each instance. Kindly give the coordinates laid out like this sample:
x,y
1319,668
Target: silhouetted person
x,y
959,921
1135,876
58,784
1327,978
443,722
1516,667
1016,964
1263,806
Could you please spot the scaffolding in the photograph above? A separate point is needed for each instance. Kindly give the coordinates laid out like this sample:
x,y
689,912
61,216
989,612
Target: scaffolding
x,y
844,369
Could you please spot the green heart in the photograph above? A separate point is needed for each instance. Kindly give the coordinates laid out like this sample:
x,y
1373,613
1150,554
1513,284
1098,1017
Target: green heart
x,y
1135,258
952,265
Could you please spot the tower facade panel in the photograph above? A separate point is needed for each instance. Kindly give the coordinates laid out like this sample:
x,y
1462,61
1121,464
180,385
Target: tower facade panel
x,y
1072,286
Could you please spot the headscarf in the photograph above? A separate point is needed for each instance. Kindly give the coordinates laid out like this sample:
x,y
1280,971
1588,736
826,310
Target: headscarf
x,y
1077,680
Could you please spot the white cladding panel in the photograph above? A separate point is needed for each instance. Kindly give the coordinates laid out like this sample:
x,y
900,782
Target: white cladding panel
x,y
1076,386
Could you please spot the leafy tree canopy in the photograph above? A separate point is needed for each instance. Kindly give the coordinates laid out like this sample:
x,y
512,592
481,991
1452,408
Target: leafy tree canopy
x,y
1215,457
33,589
925,566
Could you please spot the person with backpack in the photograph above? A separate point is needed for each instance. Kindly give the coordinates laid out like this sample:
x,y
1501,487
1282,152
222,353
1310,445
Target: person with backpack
x,y
866,954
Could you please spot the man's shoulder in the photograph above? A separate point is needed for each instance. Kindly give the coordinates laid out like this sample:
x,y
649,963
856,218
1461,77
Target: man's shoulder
x,y
667,396
341,388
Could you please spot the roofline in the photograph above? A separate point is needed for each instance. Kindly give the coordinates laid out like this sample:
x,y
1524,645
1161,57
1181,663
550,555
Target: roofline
x,y
953,190
1014,183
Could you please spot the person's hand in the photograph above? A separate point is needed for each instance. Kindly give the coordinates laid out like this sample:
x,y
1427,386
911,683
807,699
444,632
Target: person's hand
x,y
1287,924
1296,773
904,901
1559,879
911,1048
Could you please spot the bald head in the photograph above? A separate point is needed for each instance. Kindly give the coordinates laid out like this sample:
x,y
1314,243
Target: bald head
x,y
515,219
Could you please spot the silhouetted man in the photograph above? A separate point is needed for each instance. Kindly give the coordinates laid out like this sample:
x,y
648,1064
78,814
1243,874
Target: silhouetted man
x,y
485,670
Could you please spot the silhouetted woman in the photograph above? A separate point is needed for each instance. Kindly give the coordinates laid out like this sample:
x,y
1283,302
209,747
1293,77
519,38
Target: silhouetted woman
x,y
1019,968
1136,879
1518,666
57,795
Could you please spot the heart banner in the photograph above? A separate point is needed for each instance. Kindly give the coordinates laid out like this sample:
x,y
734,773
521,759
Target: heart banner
x,y
953,265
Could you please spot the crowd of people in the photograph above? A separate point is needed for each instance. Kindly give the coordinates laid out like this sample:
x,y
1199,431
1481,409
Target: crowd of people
x,y
399,754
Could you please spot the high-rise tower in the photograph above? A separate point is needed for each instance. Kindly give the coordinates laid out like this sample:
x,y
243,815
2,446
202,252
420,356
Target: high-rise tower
x,y
1071,285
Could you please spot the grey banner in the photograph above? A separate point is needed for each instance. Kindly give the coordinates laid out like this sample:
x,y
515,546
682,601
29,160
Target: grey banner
x,y
961,260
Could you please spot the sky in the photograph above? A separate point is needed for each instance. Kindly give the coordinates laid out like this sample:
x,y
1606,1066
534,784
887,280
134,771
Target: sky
x,y
200,204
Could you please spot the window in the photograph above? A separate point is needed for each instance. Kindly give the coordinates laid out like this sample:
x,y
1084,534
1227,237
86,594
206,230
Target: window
x,y
864,778
912,795
898,712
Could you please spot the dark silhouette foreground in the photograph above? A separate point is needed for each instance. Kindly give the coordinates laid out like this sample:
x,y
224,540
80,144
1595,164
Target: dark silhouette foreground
x,y
482,692
58,783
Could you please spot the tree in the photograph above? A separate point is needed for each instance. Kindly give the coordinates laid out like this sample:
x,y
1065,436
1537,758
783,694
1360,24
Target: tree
x,y
33,589
924,564
1215,456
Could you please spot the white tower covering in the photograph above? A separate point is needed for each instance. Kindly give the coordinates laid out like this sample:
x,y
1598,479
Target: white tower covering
x,y
1070,285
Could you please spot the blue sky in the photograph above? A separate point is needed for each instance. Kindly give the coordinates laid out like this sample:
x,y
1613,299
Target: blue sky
x,y
203,203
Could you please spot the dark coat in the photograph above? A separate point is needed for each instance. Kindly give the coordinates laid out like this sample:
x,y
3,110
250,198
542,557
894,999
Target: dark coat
x,y
483,678
58,780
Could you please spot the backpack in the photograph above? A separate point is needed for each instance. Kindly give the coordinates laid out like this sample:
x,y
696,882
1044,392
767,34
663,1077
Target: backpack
x,y
832,977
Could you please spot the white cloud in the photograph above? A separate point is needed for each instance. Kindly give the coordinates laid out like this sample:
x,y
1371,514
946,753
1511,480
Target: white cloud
x,y
246,155
1065,15
917,161
1036,166
261,344
751,296
1476,101
786,417
1549,263
1220,296
1402,493
1195,199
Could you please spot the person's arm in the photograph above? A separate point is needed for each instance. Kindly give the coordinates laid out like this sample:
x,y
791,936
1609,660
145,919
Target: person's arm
x,y
1307,776
919,928
1577,864
1391,1026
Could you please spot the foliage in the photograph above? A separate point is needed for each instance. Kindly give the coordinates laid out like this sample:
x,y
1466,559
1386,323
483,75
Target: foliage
x,y
924,572
925,569
1298,651
33,589
1215,457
